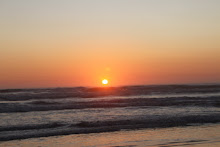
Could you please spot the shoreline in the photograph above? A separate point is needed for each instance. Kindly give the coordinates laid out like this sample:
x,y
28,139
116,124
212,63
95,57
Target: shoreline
x,y
203,135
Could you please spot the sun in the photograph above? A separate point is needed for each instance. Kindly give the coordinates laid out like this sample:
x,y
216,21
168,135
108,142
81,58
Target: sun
x,y
104,81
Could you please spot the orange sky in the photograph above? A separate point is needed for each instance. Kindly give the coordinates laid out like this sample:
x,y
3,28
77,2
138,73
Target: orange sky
x,y
78,43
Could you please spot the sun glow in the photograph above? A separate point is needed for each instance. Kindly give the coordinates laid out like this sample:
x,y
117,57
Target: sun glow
x,y
105,82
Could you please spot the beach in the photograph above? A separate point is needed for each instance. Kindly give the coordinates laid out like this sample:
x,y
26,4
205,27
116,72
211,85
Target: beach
x,y
109,73
197,136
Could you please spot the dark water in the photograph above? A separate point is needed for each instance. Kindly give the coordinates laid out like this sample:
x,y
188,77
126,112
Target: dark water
x,y
28,113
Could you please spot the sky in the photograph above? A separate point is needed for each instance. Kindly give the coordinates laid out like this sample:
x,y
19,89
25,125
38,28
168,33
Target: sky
x,y
54,43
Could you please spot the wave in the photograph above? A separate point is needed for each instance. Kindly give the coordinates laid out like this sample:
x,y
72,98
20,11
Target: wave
x,y
111,103
44,103
56,128
31,127
154,122
84,92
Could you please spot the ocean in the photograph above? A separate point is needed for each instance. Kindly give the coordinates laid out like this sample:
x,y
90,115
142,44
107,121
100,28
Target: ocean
x,y
54,113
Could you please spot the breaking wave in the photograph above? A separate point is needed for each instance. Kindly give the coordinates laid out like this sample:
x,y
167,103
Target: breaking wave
x,y
44,130
40,105
83,92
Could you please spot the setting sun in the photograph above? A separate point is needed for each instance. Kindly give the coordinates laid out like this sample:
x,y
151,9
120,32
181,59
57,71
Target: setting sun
x,y
104,82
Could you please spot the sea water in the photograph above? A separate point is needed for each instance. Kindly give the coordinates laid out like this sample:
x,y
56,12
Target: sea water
x,y
55,112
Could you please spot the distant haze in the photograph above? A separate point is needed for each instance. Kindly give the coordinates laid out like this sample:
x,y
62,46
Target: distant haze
x,y
54,43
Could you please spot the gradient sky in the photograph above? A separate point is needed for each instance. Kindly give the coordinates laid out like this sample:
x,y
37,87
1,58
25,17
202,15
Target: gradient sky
x,y
54,43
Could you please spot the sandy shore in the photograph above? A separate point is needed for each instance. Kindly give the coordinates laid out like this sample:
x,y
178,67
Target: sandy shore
x,y
201,136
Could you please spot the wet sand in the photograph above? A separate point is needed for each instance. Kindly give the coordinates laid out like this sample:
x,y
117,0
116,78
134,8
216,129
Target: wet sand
x,y
197,136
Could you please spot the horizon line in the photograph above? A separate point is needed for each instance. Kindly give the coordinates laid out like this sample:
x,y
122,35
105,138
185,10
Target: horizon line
x,y
130,85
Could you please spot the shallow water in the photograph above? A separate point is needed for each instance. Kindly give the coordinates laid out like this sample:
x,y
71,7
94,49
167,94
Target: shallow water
x,y
197,136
